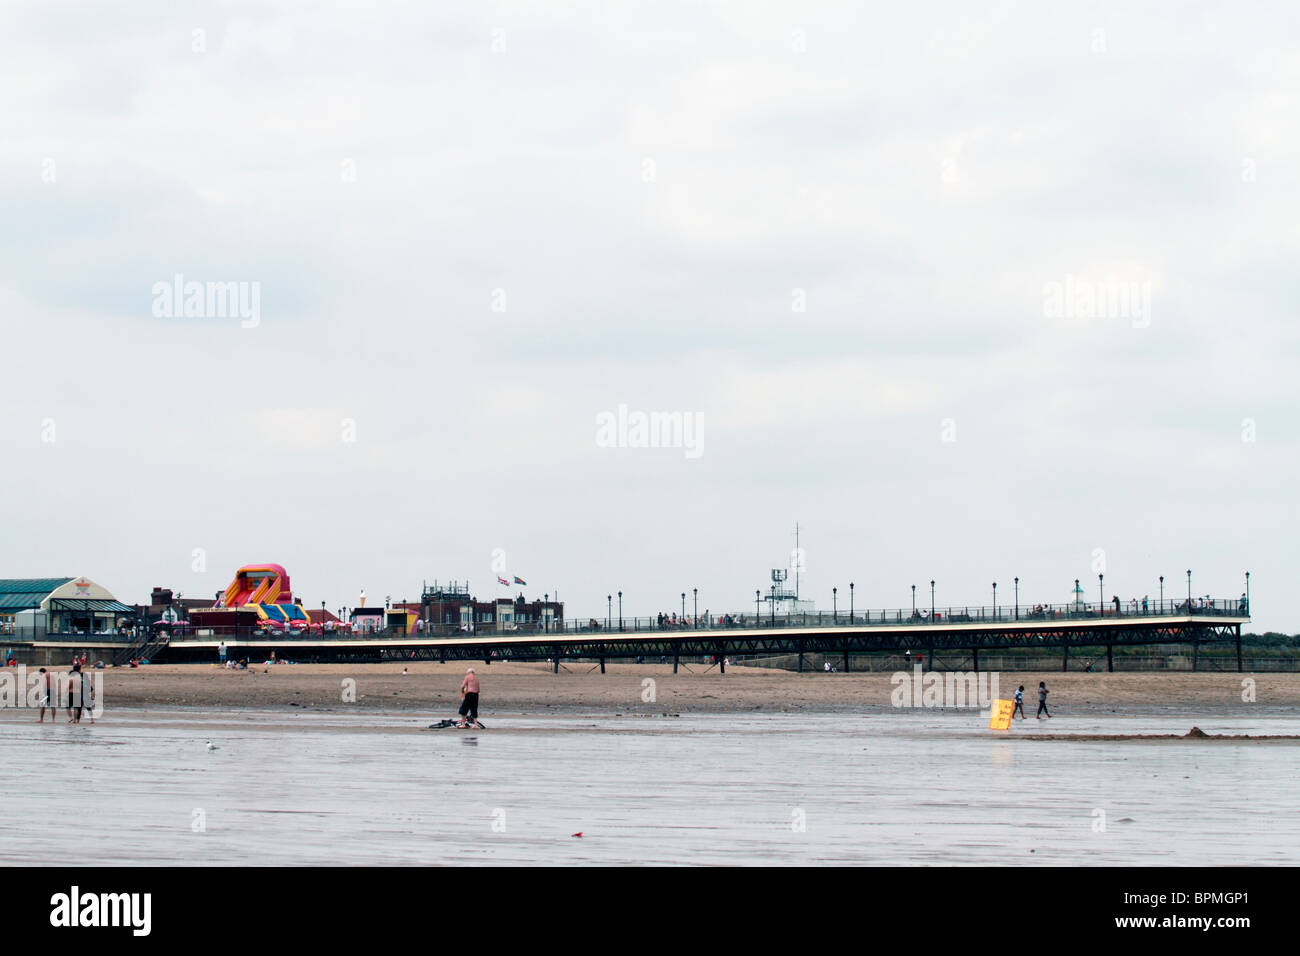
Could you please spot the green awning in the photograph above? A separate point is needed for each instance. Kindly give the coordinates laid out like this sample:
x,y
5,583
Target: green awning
x,y
90,604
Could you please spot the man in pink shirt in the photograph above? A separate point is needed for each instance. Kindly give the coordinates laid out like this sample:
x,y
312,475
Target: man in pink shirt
x,y
469,700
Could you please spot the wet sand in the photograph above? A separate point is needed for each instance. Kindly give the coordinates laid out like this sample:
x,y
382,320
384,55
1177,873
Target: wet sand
x,y
306,787
522,689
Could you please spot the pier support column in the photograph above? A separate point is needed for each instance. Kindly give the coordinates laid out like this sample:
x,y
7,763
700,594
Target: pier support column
x,y
1110,661
1238,648
800,646
975,653
929,656
1065,659
722,662
846,657
677,650
555,668
602,665
1196,651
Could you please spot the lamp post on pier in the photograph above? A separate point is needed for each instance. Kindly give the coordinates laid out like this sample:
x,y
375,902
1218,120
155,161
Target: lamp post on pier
x,y
835,605
1189,590
851,597
1162,594
695,594
758,617
931,599
683,607
609,609
1247,607
913,600
1101,594
620,611
1017,599
995,600
546,623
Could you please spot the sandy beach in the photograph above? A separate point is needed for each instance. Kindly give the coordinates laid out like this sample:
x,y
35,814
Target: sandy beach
x,y
519,689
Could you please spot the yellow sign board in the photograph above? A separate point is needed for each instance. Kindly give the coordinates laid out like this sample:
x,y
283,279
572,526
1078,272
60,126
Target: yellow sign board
x,y
1000,719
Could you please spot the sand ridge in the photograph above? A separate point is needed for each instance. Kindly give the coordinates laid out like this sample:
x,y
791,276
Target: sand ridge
x,y
523,688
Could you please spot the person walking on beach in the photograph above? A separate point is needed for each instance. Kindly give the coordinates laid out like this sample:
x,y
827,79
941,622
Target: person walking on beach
x,y
1042,701
221,653
74,695
47,698
469,690
1020,703
88,696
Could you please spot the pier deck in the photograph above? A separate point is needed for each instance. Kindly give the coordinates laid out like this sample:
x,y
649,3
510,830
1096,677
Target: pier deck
x,y
778,637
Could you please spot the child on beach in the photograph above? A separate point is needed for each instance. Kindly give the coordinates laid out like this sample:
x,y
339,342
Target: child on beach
x,y
1042,700
1020,703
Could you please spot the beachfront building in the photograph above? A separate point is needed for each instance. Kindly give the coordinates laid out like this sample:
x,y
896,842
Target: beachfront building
x,y
32,607
451,606
169,607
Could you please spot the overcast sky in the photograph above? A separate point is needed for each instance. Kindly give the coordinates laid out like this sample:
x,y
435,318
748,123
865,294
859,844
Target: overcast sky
x,y
829,233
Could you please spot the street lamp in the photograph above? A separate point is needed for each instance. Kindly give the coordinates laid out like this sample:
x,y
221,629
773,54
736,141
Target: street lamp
x,y
1162,593
774,605
995,600
931,600
1189,590
850,602
913,600
620,611
683,607
1101,593
1017,599
695,593
758,617
546,624
609,609
1247,607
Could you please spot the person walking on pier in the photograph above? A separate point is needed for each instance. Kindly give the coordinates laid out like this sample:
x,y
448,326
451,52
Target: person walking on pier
x,y
469,690
1042,700
1020,703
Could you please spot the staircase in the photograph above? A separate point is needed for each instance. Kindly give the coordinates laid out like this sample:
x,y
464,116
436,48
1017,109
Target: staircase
x,y
142,650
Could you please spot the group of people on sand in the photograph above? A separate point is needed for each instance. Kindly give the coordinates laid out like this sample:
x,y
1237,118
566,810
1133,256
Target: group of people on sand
x,y
1042,701
78,689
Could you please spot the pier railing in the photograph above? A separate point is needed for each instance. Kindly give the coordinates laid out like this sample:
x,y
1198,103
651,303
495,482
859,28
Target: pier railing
x,y
939,616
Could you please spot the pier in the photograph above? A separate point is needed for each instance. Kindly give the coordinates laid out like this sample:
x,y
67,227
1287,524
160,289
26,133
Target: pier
x,y
966,631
